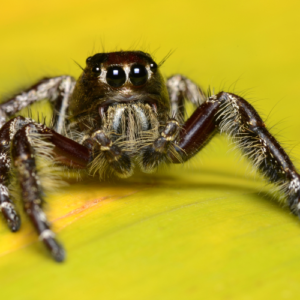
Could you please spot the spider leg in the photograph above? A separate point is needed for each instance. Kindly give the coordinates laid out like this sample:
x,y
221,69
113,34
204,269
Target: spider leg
x,y
24,162
6,204
56,89
20,131
180,88
233,115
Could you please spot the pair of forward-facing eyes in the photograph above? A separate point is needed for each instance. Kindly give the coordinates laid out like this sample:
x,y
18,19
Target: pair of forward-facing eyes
x,y
116,75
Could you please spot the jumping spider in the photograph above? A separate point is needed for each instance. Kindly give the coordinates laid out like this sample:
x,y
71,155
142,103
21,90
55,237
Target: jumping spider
x,y
119,114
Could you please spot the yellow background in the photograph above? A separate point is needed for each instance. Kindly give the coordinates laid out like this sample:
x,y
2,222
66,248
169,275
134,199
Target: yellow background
x,y
206,230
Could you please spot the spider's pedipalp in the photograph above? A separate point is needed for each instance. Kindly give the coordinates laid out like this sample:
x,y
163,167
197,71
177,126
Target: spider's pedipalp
x,y
118,160
160,149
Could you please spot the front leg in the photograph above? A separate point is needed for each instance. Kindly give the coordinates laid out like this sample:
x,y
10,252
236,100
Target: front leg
x,y
31,192
233,115
7,207
26,136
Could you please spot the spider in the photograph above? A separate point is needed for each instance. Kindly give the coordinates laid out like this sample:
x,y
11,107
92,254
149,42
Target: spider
x,y
121,114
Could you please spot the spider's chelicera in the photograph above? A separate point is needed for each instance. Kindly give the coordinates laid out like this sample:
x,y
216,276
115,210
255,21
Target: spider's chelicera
x,y
121,114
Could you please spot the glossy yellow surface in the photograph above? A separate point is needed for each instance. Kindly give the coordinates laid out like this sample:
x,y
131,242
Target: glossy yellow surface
x,y
206,230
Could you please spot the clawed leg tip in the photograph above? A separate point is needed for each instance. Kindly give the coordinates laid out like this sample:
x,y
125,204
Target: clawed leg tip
x,y
56,250
14,225
59,255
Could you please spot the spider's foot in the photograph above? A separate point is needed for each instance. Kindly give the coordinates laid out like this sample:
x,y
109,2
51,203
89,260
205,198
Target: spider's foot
x,y
14,223
11,216
120,161
56,250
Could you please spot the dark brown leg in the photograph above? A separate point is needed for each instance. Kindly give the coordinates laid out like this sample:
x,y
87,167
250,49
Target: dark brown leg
x,y
31,191
56,89
233,115
197,131
21,132
24,161
163,148
67,151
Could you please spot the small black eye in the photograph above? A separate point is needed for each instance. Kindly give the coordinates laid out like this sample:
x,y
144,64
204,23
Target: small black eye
x,y
138,75
153,66
115,76
88,59
96,70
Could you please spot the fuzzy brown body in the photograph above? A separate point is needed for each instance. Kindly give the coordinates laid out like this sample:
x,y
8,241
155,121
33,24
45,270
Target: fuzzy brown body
x,y
130,116
119,114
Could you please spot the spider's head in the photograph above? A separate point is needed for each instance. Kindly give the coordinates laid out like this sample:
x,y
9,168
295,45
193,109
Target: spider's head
x,y
122,70
119,77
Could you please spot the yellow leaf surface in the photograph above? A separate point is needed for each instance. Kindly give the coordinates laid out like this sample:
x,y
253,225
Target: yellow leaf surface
x,y
207,230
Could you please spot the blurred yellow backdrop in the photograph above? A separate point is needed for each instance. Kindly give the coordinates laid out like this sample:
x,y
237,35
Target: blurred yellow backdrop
x,y
208,230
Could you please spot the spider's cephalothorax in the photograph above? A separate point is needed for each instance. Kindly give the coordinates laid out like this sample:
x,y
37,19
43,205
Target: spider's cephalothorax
x,y
121,114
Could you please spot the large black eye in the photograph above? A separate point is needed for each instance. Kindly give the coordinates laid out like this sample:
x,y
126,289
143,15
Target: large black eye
x,y
115,76
138,74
